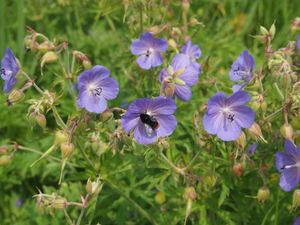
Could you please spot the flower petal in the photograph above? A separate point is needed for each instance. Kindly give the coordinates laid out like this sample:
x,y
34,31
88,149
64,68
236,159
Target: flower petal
x,y
160,45
229,131
156,59
180,61
91,103
212,122
144,62
190,76
216,103
110,88
184,93
129,121
167,124
139,47
141,135
289,179
283,159
162,106
238,98
139,105
244,116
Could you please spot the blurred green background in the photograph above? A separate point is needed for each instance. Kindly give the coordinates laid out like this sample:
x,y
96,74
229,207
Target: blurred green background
x,y
103,30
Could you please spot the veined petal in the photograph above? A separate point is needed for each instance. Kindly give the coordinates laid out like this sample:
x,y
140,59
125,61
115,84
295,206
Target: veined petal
x,y
238,98
289,179
110,88
162,106
130,121
167,124
212,122
142,136
184,93
144,62
190,76
180,61
160,45
243,115
156,59
139,47
140,105
91,103
229,131
283,159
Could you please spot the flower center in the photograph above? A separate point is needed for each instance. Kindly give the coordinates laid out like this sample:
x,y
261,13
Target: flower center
x,y
297,165
173,76
149,52
96,91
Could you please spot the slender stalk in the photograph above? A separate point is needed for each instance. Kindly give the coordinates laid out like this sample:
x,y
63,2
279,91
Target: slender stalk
x,y
86,157
58,119
34,84
80,216
68,217
171,164
192,161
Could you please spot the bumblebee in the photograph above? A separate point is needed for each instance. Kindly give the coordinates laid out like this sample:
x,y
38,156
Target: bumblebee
x,y
149,120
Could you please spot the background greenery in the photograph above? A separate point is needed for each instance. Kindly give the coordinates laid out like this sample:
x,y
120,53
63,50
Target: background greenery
x,y
103,30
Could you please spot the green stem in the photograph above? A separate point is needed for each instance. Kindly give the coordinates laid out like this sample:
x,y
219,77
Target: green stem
x,y
133,203
58,119
277,207
80,216
34,84
279,91
171,164
68,217
86,157
192,161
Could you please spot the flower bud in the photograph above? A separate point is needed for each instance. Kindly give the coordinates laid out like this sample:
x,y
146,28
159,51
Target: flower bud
x,y
59,203
296,199
238,169
163,144
106,115
5,160
241,141
190,193
60,137
66,149
41,120
45,46
287,131
87,64
263,194
48,57
185,5
15,96
210,181
160,198
93,188
172,43
263,30
255,132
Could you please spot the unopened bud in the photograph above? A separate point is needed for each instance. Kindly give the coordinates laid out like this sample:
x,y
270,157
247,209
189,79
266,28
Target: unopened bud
x,y
60,137
106,115
272,30
210,180
93,188
238,169
45,46
163,144
255,132
87,64
185,5
263,30
59,203
28,42
263,194
5,160
287,131
160,198
66,149
194,22
190,193
41,120
172,43
296,199
48,57
15,96
241,141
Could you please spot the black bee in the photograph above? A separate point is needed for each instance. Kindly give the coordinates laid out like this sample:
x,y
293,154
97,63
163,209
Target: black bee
x,y
149,120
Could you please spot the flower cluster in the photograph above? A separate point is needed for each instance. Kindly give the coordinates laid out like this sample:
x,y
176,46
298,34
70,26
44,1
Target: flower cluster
x,y
152,118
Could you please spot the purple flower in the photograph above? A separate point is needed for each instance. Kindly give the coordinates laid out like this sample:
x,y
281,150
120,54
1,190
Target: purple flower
x,y
150,118
297,221
298,43
226,116
181,76
19,202
9,70
251,149
95,88
148,48
193,52
242,68
288,164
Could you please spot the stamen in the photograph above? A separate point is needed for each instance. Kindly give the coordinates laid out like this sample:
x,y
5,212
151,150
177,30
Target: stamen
x,y
97,91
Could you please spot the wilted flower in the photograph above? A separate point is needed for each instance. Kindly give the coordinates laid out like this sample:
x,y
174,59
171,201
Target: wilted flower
x,y
193,52
288,164
181,76
150,118
251,149
148,48
226,116
9,70
241,69
95,88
